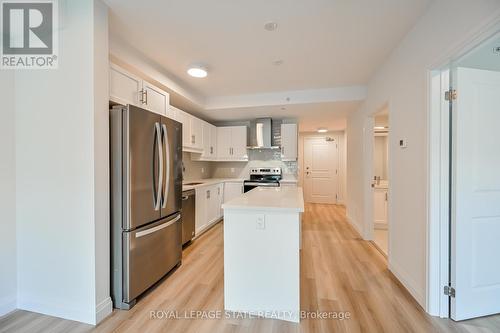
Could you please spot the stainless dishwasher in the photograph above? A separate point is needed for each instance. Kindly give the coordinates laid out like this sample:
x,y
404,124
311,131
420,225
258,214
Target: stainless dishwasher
x,y
188,215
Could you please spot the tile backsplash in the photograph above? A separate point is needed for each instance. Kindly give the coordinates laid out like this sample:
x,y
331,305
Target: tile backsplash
x,y
256,158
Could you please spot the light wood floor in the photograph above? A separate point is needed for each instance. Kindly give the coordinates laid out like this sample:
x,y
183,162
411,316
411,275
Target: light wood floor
x,y
339,272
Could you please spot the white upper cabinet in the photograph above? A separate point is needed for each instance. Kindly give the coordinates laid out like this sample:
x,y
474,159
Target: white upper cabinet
x,y
192,130
154,99
232,143
126,88
209,152
185,119
289,142
224,143
196,133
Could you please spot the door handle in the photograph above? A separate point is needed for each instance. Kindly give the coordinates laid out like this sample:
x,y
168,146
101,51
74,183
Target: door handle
x,y
166,148
157,228
160,168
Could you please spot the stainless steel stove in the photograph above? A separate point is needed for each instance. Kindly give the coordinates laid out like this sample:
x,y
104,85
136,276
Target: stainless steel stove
x,y
262,177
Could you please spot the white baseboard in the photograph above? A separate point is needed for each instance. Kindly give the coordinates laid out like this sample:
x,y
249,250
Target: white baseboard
x,y
354,225
408,283
60,310
103,309
7,305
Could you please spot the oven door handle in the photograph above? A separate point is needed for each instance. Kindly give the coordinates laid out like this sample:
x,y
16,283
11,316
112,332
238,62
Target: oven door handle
x,y
262,184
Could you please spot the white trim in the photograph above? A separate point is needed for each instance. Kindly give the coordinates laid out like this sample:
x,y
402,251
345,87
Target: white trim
x,y
7,305
437,226
58,309
407,282
103,310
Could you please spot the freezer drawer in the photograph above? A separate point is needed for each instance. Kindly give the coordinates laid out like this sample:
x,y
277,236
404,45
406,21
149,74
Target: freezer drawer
x,y
149,253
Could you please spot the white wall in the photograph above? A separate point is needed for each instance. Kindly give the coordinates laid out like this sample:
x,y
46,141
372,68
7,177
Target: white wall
x,y
62,203
8,276
402,83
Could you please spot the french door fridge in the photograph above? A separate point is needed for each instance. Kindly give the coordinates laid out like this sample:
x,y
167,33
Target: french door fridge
x,y
146,200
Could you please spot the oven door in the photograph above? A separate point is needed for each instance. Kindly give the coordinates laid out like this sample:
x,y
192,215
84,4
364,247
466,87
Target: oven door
x,y
247,186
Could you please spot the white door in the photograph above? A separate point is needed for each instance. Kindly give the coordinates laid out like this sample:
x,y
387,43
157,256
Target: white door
x,y
476,201
206,129
380,208
155,99
239,143
224,143
196,133
213,142
185,119
320,170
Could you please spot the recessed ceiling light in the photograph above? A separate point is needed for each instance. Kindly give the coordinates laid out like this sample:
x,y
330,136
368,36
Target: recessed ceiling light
x,y
197,71
271,26
322,130
278,62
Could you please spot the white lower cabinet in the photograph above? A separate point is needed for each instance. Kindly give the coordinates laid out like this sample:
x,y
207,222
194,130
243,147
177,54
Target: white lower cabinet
x,y
380,208
232,190
208,206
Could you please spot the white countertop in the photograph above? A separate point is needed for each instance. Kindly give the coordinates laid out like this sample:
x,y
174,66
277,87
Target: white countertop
x,y
207,182
289,199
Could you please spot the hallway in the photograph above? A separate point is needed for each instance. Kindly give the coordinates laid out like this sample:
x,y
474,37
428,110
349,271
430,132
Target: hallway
x,y
339,273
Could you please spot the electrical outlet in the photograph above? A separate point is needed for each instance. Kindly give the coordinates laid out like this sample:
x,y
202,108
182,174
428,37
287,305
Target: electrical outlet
x,y
261,222
202,170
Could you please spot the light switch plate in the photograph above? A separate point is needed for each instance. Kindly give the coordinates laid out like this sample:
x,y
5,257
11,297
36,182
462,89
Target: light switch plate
x,y
261,222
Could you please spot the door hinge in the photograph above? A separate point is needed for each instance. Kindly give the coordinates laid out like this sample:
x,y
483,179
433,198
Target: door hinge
x,y
449,291
450,95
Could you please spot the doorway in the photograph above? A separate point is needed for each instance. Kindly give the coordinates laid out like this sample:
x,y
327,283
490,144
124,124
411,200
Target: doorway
x,y
380,181
464,200
321,169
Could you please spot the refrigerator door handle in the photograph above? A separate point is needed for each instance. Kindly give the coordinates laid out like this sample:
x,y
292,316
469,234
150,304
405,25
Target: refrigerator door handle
x,y
157,228
166,147
160,171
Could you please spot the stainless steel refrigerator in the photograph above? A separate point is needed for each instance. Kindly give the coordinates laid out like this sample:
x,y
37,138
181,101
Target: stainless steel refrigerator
x,y
146,200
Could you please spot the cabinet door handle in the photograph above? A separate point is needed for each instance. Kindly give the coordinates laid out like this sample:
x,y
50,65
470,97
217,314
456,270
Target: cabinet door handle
x,y
193,139
208,194
145,92
211,150
141,96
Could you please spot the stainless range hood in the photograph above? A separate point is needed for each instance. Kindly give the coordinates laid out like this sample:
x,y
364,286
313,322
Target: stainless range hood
x,y
261,134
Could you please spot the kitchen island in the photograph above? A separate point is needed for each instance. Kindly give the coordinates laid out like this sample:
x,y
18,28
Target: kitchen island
x,y
262,253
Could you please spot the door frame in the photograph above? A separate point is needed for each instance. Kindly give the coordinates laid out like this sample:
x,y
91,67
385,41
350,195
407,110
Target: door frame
x,y
341,170
369,145
438,139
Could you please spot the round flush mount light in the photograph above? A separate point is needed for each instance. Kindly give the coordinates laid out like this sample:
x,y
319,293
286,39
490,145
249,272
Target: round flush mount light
x,y
197,71
278,62
322,130
271,26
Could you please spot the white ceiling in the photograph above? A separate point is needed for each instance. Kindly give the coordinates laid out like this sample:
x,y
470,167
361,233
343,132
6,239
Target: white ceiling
x,y
323,43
